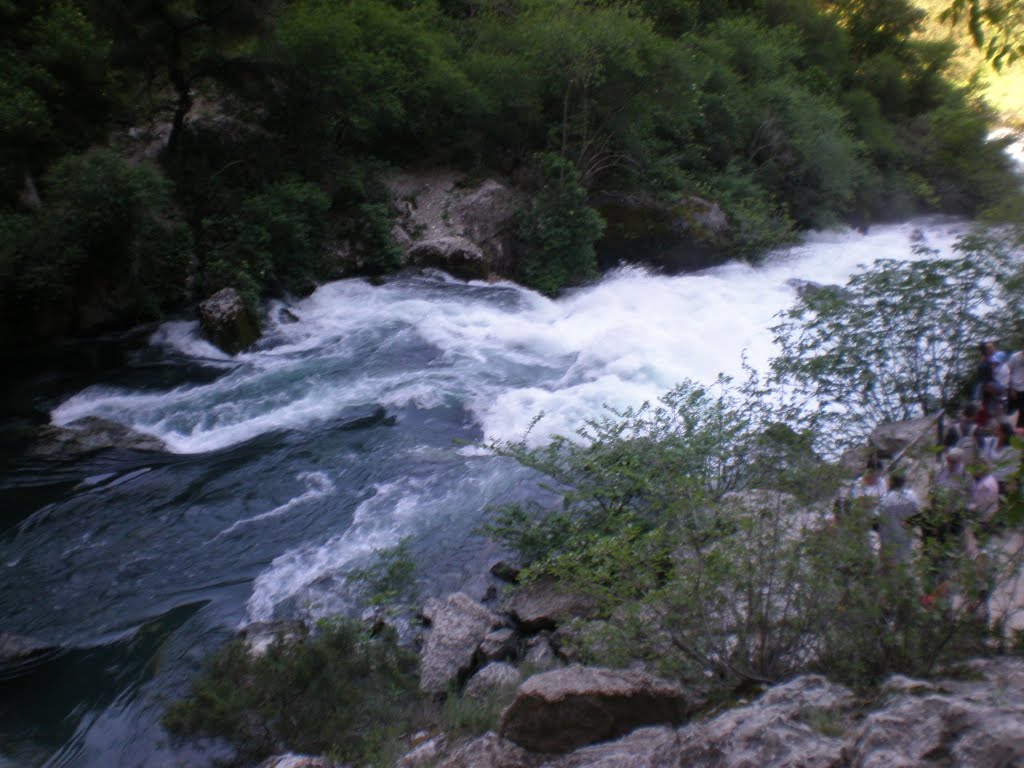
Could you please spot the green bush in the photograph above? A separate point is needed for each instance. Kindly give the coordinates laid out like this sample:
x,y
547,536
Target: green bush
x,y
338,690
558,230
704,529
104,226
273,243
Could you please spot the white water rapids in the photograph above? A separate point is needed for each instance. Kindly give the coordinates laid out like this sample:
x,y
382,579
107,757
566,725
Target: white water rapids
x,y
494,355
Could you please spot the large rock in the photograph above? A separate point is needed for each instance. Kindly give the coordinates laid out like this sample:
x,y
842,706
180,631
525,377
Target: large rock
x,y
499,645
964,723
893,437
567,708
455,255
777,730
544,604
227,323
448,223
459,626
490,751
643,748
494,680
92,433
291,760
690,234
19,653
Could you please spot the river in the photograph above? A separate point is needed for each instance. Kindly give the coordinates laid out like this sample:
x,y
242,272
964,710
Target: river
x,y
358,420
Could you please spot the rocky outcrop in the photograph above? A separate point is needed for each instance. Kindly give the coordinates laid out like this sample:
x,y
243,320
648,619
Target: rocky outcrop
x,y
567,708
777,729
459,626
92,433
490,751
19,653
227,323
966,723
457,256
492,681
447,223
690,234
298,761
543,604
499,645
892,438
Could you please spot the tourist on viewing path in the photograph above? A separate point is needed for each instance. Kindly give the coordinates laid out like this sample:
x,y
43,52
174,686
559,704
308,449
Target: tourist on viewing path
x,y
897,507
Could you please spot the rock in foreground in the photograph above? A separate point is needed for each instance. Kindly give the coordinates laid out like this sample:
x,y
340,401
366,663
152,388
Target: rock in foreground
x,y
564,709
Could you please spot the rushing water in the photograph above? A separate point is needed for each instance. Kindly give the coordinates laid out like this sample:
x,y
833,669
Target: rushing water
x,y
356,421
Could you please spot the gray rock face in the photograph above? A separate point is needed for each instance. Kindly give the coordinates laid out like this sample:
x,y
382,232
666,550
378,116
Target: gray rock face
x,y
774,730
490,751
18,653
495,679
455,255
567,708
298,761
544,604
93,433
448,224
425,754
499,644
970,724
459,626
892,438
226,322
643,748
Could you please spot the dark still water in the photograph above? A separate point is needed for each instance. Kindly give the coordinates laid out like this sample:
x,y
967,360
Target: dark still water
x,y
344,432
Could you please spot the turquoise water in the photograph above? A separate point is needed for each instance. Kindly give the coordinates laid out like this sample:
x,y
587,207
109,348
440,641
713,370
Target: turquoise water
x,y
341,433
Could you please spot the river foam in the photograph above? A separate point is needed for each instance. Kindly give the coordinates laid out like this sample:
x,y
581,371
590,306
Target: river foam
x,y
502,352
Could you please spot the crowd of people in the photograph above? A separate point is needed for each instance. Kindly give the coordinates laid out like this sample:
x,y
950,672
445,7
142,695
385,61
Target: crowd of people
x,y
974,478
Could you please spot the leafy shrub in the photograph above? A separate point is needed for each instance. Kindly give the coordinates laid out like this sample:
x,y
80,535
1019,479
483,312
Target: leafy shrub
x,y
272,243
897,341
337,691
558,230
104,225
704,528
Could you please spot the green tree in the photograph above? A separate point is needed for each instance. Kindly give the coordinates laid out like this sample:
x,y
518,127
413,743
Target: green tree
x,y
558,230
897,341
180,44
996,27
55,87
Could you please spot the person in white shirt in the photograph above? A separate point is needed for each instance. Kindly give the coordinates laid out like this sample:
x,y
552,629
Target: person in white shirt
x,y
1016,387
897,507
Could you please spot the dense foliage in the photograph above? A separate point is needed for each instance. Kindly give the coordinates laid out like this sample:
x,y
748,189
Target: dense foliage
x,y
265,126
900,339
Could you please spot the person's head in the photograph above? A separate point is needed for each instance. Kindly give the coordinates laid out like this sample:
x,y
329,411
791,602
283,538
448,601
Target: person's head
x,y
897,480
969,412
983,352
990,348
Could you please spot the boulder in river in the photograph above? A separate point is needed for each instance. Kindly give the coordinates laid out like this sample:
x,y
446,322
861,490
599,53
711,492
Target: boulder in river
x,y
92,433
227,322
18,653
567,708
